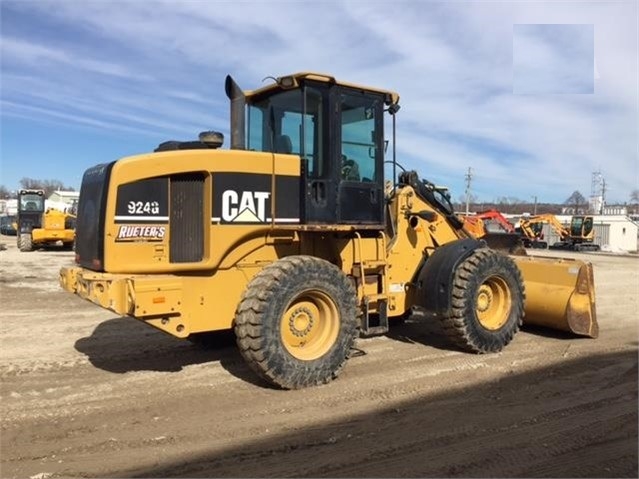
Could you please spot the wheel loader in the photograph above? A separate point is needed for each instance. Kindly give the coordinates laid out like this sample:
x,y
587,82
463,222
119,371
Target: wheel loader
x,y
37,227
295,239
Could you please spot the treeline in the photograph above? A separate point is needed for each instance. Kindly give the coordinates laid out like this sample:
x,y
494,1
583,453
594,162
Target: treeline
x,y
515,206
49,186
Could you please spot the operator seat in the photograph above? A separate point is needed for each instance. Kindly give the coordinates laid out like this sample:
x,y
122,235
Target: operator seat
x,y
350,169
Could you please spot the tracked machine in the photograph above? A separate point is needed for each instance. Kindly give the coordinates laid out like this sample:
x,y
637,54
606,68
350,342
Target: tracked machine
x,y
293,239
578,236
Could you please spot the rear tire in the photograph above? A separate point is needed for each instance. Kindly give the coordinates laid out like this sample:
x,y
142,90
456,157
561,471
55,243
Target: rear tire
x,y
487,302
297,321
25,242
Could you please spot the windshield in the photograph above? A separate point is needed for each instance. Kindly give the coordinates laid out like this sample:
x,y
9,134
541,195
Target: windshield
x,y
31,202
576,225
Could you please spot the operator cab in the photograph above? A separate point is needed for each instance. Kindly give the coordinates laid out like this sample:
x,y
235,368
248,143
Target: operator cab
x,y
31,201
30,209
336,129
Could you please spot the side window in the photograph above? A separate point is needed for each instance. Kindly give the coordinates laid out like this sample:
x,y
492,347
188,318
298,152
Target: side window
x,y
359,149
275,123
255,130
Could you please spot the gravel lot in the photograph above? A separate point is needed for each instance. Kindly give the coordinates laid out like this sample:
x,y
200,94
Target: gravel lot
x,y
85,393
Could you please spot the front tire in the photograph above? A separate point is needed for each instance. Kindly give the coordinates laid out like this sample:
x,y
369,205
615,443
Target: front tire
x,y
25,242
487,302
297,321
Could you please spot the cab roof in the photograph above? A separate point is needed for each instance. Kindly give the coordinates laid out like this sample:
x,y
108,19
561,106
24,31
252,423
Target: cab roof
x,y
292,81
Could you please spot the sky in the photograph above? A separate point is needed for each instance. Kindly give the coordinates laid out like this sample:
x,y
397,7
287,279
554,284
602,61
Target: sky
x,y
533,96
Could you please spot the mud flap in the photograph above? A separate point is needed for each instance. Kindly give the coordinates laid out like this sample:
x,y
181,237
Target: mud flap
x,y
434,279
560,294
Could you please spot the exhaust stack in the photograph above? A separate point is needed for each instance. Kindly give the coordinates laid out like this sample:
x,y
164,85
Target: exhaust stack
x,y
238,102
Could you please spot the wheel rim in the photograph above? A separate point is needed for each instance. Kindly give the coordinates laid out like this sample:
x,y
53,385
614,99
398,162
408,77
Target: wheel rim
x,y
493,303
310,325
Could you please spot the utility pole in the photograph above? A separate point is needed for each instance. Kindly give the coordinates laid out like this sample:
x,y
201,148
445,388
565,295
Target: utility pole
x,y
535,205
603,195
469,177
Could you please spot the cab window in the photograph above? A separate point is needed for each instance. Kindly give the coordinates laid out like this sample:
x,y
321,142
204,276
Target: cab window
x,y
359,148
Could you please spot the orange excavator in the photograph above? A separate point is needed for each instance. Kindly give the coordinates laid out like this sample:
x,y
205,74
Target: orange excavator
x,y
481,224
475,226
490,217
578,236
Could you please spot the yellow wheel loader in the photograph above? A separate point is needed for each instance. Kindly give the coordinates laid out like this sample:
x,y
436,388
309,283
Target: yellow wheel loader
x,y
37,227
293,239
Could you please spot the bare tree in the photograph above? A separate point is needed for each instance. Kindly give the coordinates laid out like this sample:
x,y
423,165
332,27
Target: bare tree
x,y
577,202
5,193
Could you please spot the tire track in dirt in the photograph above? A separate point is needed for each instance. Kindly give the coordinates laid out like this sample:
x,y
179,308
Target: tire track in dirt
x,y
85,394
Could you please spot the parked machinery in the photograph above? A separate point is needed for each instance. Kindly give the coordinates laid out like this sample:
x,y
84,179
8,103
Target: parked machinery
x,y
504,237
493,216
278,240
37,227
578,236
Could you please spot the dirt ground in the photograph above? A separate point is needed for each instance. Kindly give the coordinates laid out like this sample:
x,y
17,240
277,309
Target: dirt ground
x,y
85,393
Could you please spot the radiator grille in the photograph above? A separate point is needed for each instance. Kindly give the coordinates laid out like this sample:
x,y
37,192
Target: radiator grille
x,y
186,218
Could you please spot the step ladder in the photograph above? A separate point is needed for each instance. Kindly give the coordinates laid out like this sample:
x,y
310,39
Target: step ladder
x,y
373,323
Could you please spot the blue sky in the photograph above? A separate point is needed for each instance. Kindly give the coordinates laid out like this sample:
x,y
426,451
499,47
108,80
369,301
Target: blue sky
x,y
534,96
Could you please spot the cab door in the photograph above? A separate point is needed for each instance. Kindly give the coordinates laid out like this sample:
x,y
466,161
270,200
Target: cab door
x,y
360,158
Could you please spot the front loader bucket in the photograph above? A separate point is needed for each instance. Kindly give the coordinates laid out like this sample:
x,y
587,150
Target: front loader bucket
x,y
560,294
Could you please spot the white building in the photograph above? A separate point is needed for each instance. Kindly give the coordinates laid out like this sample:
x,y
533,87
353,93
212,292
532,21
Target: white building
x,y
616,232
9,207
62,200
68,197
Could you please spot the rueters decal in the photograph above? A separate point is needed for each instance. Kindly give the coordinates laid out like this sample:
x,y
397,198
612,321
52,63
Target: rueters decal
x,y
140,233
246,198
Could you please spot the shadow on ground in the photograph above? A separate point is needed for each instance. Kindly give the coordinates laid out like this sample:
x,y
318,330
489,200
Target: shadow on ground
x,y
574,419
123,345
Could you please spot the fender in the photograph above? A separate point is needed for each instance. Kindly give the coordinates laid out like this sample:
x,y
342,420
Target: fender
x,y
435,277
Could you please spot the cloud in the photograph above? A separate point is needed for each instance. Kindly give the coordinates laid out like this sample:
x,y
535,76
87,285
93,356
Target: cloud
x,y
44,57
158,67
553,59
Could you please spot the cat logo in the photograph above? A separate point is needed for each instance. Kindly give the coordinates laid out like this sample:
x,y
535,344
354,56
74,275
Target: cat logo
x,y
245,206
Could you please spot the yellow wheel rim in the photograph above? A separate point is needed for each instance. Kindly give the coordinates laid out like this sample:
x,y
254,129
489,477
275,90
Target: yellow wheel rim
x,y
493,303
310,325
